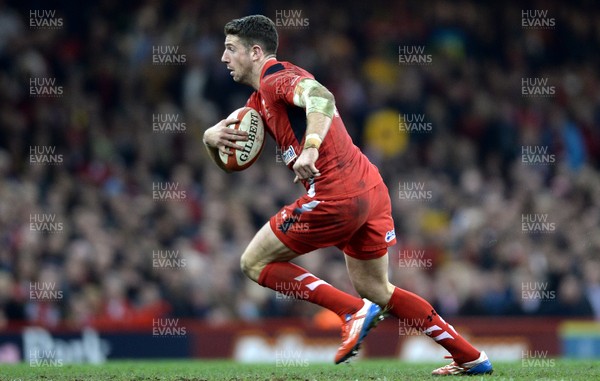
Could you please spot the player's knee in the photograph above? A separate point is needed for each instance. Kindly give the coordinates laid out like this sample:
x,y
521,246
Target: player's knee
x,y
250,268
246,265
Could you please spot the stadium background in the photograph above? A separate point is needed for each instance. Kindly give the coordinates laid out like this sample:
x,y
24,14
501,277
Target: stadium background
x,y
478,184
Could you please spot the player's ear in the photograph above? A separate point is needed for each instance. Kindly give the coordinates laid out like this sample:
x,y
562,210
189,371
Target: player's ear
x,y
257,52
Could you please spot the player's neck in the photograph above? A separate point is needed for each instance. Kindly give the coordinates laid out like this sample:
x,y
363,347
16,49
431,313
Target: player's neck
x,y
260,67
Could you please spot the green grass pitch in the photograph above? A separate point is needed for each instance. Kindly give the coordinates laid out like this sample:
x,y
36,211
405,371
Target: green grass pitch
x,y
382,370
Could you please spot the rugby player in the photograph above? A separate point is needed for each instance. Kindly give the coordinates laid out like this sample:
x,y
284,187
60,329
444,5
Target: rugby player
x,y
346,204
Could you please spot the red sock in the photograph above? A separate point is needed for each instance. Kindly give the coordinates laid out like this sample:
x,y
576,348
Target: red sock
x,y
291,280
414,311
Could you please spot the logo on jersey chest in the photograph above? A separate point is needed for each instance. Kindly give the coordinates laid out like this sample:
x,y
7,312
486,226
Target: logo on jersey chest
x,y
288,155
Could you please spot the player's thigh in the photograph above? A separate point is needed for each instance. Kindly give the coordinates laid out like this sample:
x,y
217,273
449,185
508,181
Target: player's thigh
x,y
377,232
370,278
264,248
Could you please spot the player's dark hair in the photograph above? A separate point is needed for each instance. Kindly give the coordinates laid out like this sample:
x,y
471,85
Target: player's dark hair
x,y
255,30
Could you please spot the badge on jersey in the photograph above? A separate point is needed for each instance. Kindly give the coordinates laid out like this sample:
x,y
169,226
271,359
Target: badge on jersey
x,y
288,155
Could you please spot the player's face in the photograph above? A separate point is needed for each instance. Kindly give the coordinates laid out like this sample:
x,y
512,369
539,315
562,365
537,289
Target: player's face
x,y
238,59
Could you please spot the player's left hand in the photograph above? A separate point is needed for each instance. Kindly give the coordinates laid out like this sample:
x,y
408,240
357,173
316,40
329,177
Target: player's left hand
x,y
304,167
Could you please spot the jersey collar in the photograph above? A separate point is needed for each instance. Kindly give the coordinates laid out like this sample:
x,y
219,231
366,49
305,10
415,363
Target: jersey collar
x,y
271,66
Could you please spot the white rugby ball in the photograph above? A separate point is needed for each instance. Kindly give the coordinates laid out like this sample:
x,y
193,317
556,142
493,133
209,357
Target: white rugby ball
x,y
251,122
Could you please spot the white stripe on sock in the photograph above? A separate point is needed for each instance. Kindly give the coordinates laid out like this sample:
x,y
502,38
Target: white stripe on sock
x,y
429,330
442,336
315,284
303,276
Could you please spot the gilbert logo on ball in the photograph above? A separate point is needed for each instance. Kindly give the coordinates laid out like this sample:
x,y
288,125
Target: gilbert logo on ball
x,y
251,122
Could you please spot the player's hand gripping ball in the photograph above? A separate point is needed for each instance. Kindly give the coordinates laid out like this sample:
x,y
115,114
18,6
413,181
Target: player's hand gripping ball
x,y
251,122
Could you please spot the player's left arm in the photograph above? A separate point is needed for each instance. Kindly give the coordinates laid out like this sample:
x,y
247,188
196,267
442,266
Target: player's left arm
x,y
319,104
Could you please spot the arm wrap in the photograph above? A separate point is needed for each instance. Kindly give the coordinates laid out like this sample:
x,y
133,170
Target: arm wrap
x,y
314,97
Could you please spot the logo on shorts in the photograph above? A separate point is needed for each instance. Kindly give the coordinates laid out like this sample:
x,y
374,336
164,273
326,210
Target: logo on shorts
x,y
390,235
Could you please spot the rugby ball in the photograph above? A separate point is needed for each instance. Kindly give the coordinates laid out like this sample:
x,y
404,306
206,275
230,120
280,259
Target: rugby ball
x,y
250,121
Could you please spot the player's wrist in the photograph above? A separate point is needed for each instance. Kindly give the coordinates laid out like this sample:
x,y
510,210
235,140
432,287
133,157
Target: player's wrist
x,y
312,141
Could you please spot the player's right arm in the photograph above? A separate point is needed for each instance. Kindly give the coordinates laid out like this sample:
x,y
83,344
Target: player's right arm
x,y
220,138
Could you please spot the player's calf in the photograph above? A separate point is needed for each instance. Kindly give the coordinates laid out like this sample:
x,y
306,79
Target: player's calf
x,y
379,293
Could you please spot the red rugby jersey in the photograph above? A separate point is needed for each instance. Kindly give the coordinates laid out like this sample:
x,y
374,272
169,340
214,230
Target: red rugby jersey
x,y
345,170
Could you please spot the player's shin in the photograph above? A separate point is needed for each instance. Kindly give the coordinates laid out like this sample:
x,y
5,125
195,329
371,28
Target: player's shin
x,y
416,312
293,281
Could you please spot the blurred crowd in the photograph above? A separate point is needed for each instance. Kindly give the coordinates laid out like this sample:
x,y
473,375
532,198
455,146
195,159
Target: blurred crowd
x,y
115,252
